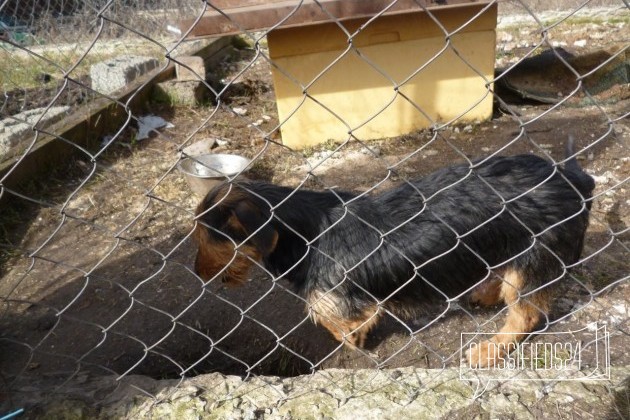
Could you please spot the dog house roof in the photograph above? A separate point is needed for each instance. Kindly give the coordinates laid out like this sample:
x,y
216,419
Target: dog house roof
x,y
256,15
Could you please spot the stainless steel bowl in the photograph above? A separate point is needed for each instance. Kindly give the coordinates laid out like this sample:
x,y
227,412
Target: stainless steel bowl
x,y
204,172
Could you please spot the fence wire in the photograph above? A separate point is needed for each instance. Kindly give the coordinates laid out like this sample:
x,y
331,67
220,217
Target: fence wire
x,y
98,273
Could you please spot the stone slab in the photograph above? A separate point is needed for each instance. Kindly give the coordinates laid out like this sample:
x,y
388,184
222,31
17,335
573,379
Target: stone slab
x,y
190,68
16,127
173,92
116,73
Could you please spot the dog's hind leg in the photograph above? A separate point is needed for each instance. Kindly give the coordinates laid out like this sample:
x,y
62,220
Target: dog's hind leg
x,y
524,314
488,293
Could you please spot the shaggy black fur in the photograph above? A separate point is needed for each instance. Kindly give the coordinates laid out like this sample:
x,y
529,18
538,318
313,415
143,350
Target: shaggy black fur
x,y
429,239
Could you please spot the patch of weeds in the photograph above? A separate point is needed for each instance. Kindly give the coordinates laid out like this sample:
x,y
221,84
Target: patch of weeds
x,y
328,145
241,42
262,169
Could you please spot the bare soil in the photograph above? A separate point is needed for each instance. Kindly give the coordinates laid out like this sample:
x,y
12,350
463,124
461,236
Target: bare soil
x,y
97,272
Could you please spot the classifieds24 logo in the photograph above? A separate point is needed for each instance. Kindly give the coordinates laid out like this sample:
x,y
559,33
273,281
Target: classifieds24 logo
x,y
569,355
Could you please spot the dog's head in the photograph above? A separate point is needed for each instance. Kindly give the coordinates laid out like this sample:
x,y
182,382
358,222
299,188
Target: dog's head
x,y
233,232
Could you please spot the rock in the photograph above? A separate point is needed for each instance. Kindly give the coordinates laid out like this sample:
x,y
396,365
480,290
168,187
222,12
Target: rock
x,y
239,111
429,152
201,147
342,394
116,73
181,93
190,68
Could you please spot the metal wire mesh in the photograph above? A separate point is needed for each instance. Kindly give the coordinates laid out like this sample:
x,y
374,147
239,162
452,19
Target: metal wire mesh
x,y
97,268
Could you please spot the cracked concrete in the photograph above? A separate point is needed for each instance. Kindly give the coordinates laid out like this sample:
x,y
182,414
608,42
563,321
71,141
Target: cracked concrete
x,y
343,394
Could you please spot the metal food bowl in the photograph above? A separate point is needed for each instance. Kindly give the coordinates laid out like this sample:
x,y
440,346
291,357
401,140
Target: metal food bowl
x,y
204,172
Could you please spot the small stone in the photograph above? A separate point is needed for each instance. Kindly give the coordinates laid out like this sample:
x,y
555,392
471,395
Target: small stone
x,y
580,43
430,152
201,147
485,149
266,117
468,129
239,111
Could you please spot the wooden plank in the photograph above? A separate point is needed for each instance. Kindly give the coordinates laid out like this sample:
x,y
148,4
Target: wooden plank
x,y
255,16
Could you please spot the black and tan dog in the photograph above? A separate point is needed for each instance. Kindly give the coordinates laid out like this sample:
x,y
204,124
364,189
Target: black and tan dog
x,y
503,228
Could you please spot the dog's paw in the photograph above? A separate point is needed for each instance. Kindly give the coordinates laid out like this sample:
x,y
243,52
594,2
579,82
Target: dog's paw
x,y
356,339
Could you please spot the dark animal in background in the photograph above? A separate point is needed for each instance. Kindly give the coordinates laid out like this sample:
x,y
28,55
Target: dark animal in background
x,y
504,229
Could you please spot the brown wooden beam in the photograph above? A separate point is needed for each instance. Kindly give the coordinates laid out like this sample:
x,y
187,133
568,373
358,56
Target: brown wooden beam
x,y
251,15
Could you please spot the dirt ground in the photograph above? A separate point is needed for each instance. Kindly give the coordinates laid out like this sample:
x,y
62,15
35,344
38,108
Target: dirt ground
x,y
111,288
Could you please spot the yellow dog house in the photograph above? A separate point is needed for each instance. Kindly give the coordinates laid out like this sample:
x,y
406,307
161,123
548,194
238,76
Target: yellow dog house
x,y
404,70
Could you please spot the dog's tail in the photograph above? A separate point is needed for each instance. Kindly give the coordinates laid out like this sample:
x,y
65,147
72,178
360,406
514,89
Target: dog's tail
x,y
586,183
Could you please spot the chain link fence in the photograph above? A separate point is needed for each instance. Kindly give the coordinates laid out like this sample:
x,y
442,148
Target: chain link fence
x,y
99,285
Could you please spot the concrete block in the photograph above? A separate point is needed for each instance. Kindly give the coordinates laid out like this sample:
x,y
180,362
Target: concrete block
x,y
182,93
195,64
116,73
16,127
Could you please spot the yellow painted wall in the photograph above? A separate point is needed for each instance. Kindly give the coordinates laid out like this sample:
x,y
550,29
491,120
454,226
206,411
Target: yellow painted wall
x,y
351,95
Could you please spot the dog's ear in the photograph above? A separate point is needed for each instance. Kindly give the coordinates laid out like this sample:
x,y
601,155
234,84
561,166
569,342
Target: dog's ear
x,y
251,218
